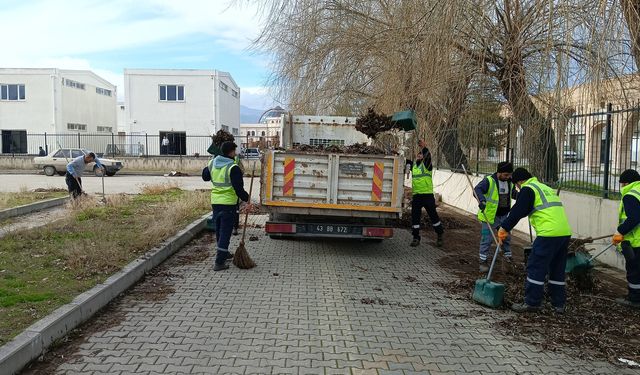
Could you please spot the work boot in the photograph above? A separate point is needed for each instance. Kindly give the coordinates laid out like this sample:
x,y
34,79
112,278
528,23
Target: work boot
x,y
523,307
415,242
559,309
235,231
624,301
439,240
220,267
484,266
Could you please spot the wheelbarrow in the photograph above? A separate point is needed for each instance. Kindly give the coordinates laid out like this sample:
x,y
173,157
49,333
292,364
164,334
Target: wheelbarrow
x,y
580,263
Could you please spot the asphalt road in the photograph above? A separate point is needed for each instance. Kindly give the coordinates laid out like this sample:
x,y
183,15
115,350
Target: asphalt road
x,y
117,184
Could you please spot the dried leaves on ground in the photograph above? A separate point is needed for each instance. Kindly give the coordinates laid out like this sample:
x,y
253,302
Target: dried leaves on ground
x,y
594,327
356,149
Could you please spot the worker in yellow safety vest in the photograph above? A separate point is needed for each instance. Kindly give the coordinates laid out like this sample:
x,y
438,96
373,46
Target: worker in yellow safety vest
x,y
549,250
422,195
627,236
227,188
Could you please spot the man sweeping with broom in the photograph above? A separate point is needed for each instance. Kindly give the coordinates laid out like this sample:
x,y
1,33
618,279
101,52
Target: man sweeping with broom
x,y
228,187
549,252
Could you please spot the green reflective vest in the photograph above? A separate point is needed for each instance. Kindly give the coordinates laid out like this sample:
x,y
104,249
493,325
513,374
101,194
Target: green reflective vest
x,y
492,197
548,217
222,191
632,189
421,180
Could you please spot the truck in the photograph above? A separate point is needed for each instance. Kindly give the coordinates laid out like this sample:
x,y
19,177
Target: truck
x,y
329,194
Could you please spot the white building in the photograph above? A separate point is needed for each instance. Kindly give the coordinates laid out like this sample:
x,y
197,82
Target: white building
x,y
53,101
185,106
263,134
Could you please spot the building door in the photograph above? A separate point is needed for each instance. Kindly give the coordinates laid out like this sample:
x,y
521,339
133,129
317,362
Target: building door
x,y
173,143
14,141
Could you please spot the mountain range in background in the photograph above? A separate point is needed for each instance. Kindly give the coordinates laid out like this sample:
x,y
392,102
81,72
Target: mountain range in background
x,y
249,115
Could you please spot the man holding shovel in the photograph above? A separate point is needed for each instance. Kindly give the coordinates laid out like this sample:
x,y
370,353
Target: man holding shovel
x,y
494,193
75,169
627,236
422,191
549,251
228,187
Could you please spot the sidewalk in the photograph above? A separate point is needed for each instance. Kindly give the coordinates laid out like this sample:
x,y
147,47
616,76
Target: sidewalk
x,y
310,307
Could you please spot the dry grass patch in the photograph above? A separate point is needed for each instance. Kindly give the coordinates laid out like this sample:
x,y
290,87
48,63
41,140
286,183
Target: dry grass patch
x,y
45,268
9,200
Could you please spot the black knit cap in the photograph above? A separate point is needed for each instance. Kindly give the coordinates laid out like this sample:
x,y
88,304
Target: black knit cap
x,y
520,174
629,176
227,147
505,167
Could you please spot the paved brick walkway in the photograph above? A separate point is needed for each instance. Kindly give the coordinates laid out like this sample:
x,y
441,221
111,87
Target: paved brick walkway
x,y
302,312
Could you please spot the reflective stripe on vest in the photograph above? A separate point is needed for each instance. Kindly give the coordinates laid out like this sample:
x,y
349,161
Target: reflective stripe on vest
x,y
632,236
222,191
421,180
548,216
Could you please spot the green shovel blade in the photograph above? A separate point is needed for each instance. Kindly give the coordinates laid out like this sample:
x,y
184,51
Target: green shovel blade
x,y
488,293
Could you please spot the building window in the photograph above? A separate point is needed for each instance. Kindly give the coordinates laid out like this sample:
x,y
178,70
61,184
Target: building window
x,y
78,127
74,84
234,131
225,128
171,93
224,86
263,134
326,142
101,91
253,133
235,94
12,93
105,129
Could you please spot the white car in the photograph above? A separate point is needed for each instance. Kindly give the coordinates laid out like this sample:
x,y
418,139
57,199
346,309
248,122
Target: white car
x,y
56,162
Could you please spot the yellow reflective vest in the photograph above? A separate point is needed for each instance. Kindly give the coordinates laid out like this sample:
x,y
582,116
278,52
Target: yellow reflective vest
x,y
548,217
222,191
421,180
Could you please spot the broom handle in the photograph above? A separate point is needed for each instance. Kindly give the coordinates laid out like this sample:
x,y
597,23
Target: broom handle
x,y
495,239
246,217
599,238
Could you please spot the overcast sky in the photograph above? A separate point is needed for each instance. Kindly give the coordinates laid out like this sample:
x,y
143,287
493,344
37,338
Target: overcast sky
x,y
108,36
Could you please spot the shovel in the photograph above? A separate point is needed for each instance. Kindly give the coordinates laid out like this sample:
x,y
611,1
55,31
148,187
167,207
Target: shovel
x,y
487,292
580,263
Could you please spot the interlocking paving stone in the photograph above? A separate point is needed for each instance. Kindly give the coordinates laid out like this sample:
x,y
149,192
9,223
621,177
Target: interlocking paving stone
x,y
310,319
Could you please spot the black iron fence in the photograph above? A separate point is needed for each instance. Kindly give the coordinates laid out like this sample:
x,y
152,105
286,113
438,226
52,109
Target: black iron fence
x,y
582,152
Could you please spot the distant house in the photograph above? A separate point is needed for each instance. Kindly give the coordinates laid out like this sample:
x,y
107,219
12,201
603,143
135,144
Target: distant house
x,y
180,108
53,101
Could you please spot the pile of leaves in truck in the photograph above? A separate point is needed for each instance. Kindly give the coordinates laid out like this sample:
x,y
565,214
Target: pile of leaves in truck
x,y
372,123
593,327
356,148
222,136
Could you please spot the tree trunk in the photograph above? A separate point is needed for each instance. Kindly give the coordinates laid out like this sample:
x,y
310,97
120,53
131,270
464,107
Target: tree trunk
x,y
631,12
448,137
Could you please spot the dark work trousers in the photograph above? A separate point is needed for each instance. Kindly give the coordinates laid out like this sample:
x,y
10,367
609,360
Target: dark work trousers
x,y
548,256
633,275
224,216
236,224
428,202
74,189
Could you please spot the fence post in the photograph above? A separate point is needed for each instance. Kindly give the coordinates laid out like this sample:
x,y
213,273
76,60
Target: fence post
x,y
46,146
79,146
477,150
146,141
508,141
113,145
607,152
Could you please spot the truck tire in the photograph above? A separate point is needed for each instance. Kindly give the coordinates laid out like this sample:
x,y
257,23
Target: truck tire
x,y
49,170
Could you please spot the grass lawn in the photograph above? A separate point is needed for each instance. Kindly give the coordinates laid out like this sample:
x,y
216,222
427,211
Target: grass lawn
x,y
8,200
42,269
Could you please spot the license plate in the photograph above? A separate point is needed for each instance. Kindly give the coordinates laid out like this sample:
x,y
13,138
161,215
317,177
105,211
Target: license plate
x,y
333,229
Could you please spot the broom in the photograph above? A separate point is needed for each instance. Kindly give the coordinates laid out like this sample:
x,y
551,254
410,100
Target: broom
x,y
241,258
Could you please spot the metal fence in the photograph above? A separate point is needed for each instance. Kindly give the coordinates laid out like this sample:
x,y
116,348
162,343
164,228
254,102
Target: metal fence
x,y
591,149
113,145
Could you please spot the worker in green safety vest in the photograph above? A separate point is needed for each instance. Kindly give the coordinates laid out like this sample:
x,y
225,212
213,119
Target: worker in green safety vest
x,y
422,195
227,188
627,236
494,194
549,250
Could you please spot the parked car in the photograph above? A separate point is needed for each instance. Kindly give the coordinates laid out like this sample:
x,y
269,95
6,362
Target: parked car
x,y
251,153
569,156
56,162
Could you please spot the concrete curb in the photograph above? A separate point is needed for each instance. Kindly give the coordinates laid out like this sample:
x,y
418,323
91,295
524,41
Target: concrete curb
x,y
32,207
31,343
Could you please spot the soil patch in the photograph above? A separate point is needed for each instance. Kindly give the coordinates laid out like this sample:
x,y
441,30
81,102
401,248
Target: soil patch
x,y
593,327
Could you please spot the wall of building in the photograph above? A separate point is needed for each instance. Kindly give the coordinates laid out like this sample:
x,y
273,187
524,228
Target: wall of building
x,y
36,113
588,216
87,106
228,106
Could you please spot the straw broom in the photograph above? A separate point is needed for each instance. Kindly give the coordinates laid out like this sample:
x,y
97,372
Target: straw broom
x,y
241,258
